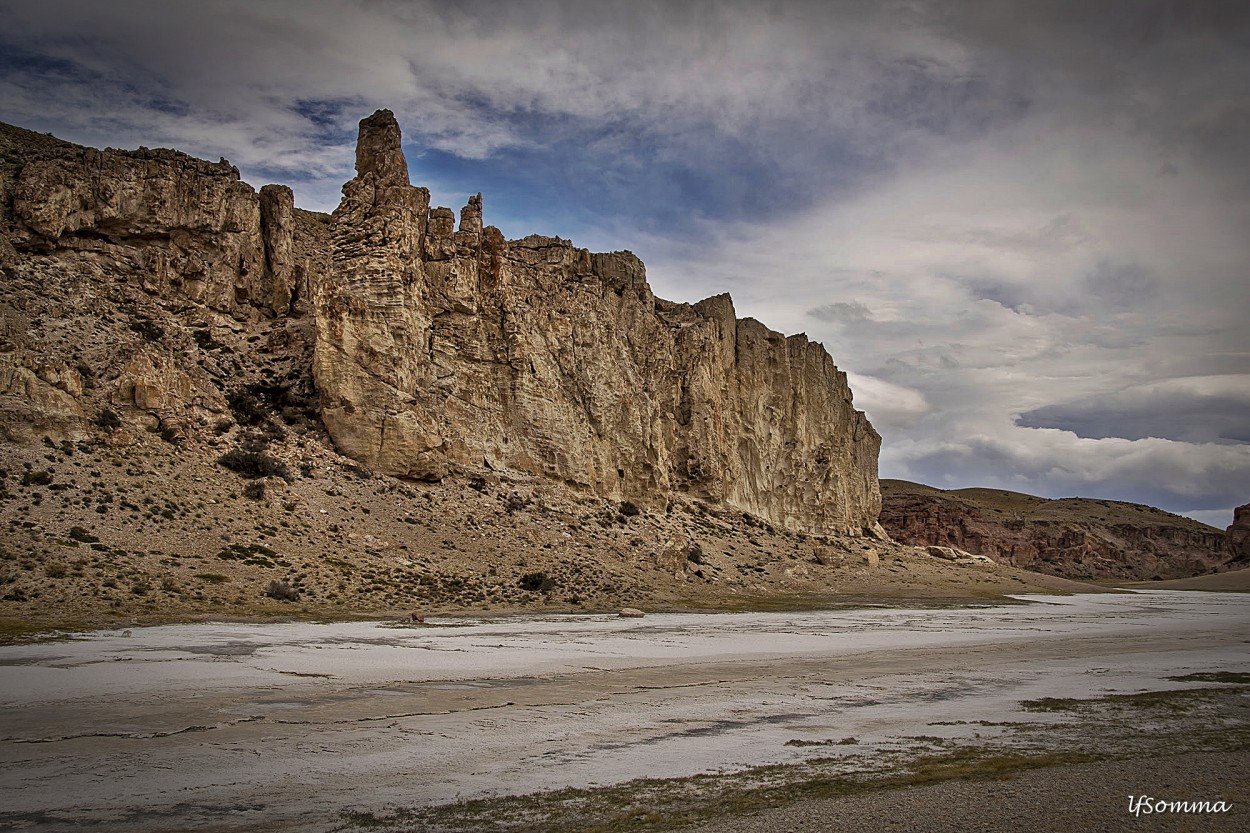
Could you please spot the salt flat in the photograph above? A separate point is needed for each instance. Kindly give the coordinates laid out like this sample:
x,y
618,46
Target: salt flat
x,y
251,726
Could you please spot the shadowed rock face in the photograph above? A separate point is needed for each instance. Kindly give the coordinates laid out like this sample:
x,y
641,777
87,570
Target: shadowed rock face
x,y
1238,534
1071,537
440,346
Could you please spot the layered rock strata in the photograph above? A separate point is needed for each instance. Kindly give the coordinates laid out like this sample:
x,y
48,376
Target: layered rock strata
x,y
441,346
145,279
191,227
1071,537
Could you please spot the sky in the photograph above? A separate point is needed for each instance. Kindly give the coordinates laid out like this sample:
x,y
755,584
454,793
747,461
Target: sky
x,y
1022,228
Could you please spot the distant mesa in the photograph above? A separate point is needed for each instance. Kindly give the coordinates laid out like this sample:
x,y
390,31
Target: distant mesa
x,y
1079,538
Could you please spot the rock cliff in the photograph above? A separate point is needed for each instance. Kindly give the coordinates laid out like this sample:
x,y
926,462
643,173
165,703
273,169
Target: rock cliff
x,y
1070,537
1238,534
441,346
191,227
145,279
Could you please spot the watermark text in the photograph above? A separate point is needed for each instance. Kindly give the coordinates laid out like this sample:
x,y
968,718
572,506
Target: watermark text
x,y
1144,805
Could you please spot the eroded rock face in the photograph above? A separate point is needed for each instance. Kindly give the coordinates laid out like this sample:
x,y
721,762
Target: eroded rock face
x,y
440,346
192,226
144,281
1238,534
1072,537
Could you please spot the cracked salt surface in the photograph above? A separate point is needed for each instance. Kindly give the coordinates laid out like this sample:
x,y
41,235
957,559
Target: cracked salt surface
x,y
254,724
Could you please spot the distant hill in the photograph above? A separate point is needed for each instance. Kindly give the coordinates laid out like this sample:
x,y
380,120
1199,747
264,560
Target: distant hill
x,y
1080,538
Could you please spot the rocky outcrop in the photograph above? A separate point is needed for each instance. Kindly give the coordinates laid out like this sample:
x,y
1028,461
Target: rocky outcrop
x,y
442,346
1070,537
190,226
181,226
38,398
145,281
1238,534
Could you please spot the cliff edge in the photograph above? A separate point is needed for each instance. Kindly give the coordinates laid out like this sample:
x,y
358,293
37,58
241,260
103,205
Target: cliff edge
x,y
440,346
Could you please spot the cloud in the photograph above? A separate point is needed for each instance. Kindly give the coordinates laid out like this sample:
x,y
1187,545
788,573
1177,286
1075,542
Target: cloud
x,y
1047,271
1208,409
1020,226
1179,475
709,107
1219,518
890,405
841,311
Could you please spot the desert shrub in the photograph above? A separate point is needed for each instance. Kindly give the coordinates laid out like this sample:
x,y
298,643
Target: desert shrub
x,y
212,578
108,419
694,554
282,591
257,555
247,407
149,329
55,570
538,582
80,534
253,464
254,490
629,509
36,478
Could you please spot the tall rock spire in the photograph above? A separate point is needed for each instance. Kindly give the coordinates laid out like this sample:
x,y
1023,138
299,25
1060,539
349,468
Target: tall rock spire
x,y
378,150
439,349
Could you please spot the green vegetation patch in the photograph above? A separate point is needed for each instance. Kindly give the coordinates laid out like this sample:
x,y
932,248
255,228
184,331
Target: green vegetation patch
x,y
1181,700
1238,677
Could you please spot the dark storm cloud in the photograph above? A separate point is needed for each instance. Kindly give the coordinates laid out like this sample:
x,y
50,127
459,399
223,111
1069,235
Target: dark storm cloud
x,y
1204,410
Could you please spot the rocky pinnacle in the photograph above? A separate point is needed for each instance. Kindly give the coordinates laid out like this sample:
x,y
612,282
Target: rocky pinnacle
x,y
442,347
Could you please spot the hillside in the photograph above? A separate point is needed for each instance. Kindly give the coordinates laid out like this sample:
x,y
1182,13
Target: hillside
x,y
1080,538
